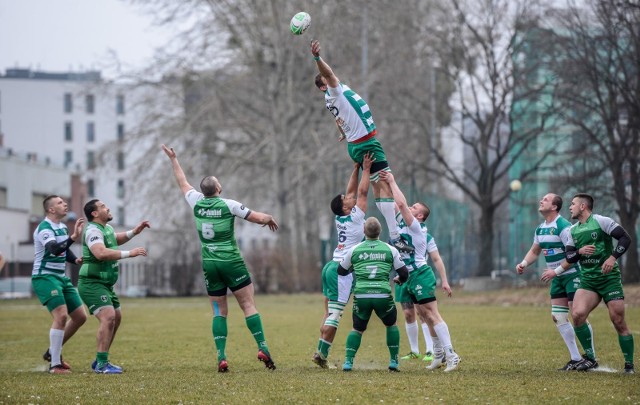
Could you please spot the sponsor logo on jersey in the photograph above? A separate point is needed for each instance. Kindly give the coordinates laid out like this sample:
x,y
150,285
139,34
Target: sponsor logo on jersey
x,y
594,235
552,231
215,213
340,246
93,239
613,292
372,256
620,249
590,261
46,236
103,298
54,293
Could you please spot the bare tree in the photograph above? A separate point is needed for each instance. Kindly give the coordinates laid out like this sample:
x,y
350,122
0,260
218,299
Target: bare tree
x,y
600,74
494,96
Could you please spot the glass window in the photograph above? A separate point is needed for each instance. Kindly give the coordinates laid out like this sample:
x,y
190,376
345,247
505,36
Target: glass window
x,y
68,131
91,132
120,160
91,159
91,188
90,102
120,188
120,132
3,197
120,104
120,219
68,157
68,103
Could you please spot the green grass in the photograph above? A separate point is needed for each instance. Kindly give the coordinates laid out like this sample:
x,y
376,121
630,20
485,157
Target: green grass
x,y
510,354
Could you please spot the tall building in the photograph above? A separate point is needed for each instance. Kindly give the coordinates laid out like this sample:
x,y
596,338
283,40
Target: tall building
x,y
66,120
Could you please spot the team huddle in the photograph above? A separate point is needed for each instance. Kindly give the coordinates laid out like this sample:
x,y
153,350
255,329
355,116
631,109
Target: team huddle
x,y
362,264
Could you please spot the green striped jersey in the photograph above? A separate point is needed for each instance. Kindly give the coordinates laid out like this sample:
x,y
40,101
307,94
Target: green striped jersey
x,y
372,261
552,238
595,231
415,236
43,261
350,110
215,223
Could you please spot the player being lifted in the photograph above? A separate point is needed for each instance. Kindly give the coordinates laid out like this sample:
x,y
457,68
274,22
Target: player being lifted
x,y
356,125
421,285
349,209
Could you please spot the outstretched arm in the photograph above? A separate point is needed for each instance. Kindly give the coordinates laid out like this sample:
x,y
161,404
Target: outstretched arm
x,y
124,237
352,186
398,197
363,187
262,219
323,67
177,170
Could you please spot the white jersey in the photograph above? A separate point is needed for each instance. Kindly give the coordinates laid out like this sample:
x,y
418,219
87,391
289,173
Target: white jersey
x,y
43,262
414,235
351,112
350,230
552,238
431,242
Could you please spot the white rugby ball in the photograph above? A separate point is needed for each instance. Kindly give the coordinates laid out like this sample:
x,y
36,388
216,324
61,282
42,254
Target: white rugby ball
x,y
299,23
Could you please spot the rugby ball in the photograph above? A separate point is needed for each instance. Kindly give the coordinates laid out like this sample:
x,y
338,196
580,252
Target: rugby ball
x,y
299,23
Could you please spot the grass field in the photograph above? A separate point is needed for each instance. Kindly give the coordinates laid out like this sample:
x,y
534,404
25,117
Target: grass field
x,y
509,355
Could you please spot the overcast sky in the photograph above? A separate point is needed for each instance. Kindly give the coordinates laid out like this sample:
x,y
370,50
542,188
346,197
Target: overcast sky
x,y
63,35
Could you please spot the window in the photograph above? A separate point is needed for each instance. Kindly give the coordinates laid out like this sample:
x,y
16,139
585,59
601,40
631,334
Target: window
x,y
120,160
3,197
120,191
91,132
68,103
120,218
68,131
120,132
91,188
68,157
120,104
90,102
91,160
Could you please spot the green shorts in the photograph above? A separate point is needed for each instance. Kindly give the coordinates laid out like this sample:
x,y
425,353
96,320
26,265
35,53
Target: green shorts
x,y
373,146
402,293
384,308
422,285
330,280
54,291
219,275
565,286
607,286
97,295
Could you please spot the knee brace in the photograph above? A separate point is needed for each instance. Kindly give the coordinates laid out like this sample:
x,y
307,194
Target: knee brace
x,y
560,315
335,313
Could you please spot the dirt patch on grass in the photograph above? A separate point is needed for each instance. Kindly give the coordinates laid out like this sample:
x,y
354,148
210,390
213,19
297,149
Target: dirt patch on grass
x,y
526,296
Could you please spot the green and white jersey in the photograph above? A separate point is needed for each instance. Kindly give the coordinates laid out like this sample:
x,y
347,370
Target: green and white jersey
x,y
215,222
350,230
351,112
94,269
416,236
595,231
372,261
431,242
44,262
552,238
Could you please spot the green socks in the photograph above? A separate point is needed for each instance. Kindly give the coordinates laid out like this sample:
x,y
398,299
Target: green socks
x,y
219,331
585,337
393,342
102,358
254,323
323,348
626,345
352,345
